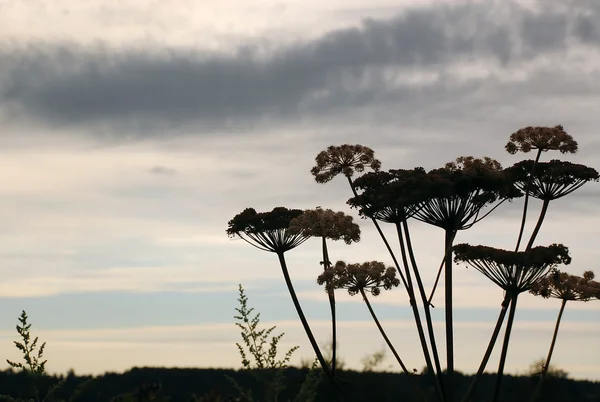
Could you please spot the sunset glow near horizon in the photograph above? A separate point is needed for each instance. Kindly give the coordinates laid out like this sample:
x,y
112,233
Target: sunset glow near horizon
x,y
133,132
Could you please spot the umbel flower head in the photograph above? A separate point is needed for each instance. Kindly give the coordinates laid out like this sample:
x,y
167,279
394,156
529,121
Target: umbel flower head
x,y
345,159
561,285
267,230
369,277
391,196
455,194
550,180
513,271
541,139
326,223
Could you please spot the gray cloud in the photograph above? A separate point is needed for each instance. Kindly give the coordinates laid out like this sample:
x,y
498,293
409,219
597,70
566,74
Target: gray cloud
x,y
344,69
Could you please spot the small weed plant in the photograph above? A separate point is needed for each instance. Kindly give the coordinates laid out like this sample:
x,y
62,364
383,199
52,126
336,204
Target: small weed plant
x,y
259,354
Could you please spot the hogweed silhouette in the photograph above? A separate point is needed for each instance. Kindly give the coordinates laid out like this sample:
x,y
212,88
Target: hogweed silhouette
x,y
369,277
561,285
327,224
270,231
454,197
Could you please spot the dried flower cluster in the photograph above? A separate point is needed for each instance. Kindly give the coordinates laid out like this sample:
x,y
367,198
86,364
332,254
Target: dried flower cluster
x,y
267,230
391,196
345,159
455,194
550,180
475,166
561,285
326,223
369,276
515,272
542,139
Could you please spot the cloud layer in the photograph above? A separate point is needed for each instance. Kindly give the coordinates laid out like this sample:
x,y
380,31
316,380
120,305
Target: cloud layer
x,y
426,54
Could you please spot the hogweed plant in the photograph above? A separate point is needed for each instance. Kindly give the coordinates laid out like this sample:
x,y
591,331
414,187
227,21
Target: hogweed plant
x,y
327,224
541,139
454,198
269,231
565,287
515,272
369,277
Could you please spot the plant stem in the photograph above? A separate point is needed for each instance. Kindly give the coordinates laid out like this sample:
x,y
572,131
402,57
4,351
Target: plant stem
x,y
560,313
490,348
331,294
450,234
439,273
426,303
546,367
525,205
437,279
417,315
309,333
538,225
509,323
411,296
390,345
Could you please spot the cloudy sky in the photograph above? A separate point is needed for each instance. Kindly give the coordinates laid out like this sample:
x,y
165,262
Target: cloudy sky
x,y
132,131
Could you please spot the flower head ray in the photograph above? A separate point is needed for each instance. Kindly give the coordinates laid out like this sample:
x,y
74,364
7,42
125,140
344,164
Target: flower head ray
x,y
454,196
550,180
515,272
267,231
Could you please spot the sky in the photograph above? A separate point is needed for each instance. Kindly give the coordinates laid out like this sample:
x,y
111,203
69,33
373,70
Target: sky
x,y
133,131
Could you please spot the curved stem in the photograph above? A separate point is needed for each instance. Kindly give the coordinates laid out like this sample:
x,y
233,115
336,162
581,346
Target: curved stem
x,y
435,283
307,329
331,295
560,313
490,348
390,345
426,303
546,367
417,315
439,273
509,323
525,205
538,225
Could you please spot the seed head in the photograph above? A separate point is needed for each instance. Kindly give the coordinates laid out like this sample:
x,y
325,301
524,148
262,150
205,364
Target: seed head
x,y
550,180
561,285
267,230
543,139
326,223
515,272
392,196
345,159
368,276
455,194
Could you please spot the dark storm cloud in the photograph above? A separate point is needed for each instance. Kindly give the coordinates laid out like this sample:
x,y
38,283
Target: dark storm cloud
x,y
63,84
